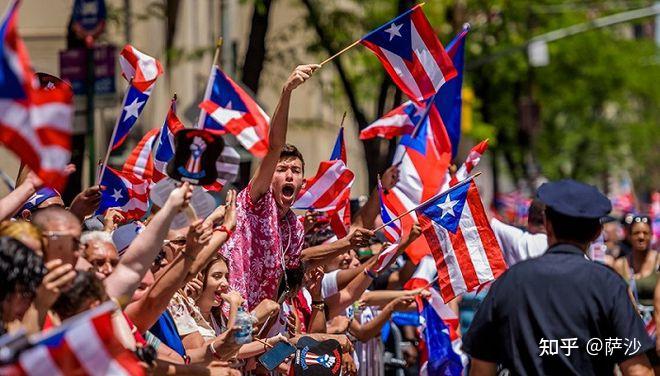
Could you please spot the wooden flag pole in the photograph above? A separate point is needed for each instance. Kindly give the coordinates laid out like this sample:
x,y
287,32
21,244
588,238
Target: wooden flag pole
x,y
218,53
352,45
341,52
468,179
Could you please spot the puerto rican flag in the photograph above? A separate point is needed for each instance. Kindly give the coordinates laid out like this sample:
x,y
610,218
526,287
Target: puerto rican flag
x,y
449,101
165,148
412,54
227,107
141,71
464,247
83,345
471,161
440,347
139,162
35,123
124,191
326,191
398,122
392,230
139,68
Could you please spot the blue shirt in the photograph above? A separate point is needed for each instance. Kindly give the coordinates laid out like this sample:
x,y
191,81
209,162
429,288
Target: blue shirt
x,y
165,330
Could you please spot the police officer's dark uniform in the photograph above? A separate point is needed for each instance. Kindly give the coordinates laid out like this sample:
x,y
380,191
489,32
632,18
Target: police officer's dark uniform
x,y
558,296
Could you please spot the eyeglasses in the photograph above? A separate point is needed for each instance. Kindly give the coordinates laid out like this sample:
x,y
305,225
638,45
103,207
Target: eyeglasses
x,y
174,242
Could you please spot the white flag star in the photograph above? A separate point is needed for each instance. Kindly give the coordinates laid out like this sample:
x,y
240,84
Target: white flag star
x,y
132,109
117,195
393,30
33,200
448,207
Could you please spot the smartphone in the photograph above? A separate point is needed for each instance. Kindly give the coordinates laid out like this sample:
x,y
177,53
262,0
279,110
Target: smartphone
x,y
275,356
59,247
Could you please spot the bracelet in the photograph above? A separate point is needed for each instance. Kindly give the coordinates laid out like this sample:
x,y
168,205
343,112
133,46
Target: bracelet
x,y
370,274
213,351
224,229
319,306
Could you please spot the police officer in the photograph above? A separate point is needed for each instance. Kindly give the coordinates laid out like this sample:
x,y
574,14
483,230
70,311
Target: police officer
x,y
561,313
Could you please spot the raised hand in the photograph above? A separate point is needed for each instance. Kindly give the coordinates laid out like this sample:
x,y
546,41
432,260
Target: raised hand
x,y
390,177
193,288
233,297
299,75
224,213
180,197
415,232
359,237
198,237
59,275
112,219
313,282
402,303
86,202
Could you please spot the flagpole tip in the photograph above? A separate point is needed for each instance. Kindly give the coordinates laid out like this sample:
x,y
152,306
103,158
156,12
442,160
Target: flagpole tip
x,y
218,42
466,26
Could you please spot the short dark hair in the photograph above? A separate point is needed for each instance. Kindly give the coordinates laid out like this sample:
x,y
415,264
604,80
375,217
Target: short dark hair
x,y
290,151
84,289
573,229
536,213
19,266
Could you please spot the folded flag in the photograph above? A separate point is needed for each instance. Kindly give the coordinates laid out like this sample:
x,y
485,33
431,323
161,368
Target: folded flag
x,y
412,54
227,107
140,162
385,256
35,122
139,68
398,122
83,345
464,247
125,192
340,218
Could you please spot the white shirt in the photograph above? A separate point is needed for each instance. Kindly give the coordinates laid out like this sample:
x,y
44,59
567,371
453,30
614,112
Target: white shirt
x,y
329,284
518,245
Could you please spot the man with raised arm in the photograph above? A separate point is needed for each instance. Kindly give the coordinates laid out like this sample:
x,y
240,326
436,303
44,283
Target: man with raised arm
x,y
268,236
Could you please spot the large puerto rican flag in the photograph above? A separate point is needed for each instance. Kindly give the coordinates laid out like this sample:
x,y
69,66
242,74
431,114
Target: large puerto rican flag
x,y
227,107
35,123
412,54
465,249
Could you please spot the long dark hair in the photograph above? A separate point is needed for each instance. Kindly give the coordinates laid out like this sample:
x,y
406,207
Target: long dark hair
x,y
216,312
20,267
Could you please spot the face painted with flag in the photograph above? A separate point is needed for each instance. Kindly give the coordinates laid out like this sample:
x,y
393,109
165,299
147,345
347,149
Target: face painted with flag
x,y
466,252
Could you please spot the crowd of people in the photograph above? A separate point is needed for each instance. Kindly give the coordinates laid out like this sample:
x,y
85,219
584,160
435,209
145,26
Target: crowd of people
x,y
182,295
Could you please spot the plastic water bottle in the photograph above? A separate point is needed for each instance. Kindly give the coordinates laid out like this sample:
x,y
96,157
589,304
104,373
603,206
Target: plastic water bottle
x,y
244,322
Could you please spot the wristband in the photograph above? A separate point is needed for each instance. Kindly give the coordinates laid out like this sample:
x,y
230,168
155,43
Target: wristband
x,y
213,351
224,229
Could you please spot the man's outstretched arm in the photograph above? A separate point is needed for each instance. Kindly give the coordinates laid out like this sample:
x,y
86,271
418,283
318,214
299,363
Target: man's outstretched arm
x,y
277,136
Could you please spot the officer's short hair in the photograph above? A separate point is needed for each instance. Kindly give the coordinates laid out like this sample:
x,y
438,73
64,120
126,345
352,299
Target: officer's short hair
x,y
536,213
580,230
